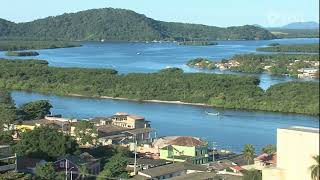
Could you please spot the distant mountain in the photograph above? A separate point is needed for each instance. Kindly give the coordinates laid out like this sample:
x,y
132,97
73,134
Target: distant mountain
x,y
302,25
120,24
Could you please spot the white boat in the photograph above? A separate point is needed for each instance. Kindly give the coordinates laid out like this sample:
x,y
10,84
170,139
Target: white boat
x,y
138,53
213,114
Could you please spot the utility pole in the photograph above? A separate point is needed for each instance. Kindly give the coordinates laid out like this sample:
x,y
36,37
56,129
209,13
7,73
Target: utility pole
x,y
66,169
135,155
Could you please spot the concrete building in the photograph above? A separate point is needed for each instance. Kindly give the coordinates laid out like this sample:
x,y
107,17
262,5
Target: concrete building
x,y
295,148
186,149
129,121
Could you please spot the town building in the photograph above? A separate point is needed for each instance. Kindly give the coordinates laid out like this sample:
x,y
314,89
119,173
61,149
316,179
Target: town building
x,y
7,159
186,149
296,147
169,171
73,164
129,121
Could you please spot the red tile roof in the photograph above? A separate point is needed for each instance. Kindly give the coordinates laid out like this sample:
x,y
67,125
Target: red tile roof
x,y
187,141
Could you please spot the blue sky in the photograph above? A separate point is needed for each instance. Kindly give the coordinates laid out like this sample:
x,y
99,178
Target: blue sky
x,y
211,12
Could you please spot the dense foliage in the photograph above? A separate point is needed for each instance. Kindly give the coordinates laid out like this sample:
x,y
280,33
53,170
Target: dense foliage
x,y
86,133
38,143
26,53
252,174
45,171
12,175
280,64
35,110
197,43
269,149
119,24
295,33
8,113
116,167
305,48
226,91
16,45
202,63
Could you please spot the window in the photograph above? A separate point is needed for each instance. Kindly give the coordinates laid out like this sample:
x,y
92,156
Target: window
x,y
62,164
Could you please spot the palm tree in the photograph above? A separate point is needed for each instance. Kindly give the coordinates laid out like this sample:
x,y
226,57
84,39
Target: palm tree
x,y
83,171
315,168
248,152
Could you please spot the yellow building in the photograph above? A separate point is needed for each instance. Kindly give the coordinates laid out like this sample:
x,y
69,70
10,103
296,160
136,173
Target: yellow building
x,y
295,148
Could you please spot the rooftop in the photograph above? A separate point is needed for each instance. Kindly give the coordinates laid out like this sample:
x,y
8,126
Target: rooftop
x,y
172,168
303,129
187,141
140,130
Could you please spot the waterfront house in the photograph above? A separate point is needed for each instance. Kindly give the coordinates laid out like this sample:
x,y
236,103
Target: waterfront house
x,y
186,149
129,121
308,72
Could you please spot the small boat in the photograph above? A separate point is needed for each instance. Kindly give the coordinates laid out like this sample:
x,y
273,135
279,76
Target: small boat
x,y
138,53
212,114
102,40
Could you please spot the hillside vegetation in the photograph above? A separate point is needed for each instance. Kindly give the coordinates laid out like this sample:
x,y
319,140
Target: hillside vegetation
x,y
226,91
123,25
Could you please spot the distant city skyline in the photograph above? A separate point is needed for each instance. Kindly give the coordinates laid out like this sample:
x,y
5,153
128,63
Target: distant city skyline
x,y
268,13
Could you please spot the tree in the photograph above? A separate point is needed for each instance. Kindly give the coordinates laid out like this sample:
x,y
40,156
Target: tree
x,y
116,167
252,174
45,171
6,137
11,175
7,116
35,110
269,149
248,152
86,133
315,168
83,171
46,143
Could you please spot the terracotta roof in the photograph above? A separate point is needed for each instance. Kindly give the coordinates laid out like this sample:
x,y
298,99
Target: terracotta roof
x,y
238,168
187,141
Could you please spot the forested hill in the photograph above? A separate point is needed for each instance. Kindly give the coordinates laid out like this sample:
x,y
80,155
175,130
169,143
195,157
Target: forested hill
x,y
120,24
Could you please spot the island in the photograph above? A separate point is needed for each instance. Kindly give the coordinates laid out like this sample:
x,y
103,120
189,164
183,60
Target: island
x,y
300,48
14,45
22,53
197,43
201,63
172,86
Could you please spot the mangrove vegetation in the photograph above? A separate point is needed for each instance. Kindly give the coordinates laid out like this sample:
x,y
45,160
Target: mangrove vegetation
x,y
225,91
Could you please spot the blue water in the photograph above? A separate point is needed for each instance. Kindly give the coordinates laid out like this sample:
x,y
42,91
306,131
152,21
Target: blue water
x,y
152,57
230,131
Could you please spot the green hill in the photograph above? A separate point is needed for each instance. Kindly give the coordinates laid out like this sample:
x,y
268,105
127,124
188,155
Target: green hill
x,y
123,25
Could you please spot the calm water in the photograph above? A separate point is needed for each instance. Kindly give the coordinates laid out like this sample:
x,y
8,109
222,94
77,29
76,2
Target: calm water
x,y
151,57
231,130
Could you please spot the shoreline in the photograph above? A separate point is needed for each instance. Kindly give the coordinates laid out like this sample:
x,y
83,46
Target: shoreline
x,y
136,100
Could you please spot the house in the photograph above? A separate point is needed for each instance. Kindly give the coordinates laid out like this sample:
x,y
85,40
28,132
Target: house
x,y
27,164
263,160
75,163
207,176
7,159
308,72
169,171
185,148
296,147
129,121
145,163
225,167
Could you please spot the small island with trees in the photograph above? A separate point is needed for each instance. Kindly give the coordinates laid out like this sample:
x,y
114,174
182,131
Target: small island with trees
x,y
13,45
201,63
22,53
301,48
197,43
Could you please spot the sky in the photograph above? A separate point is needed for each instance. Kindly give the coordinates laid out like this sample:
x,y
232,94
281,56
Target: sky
x,y
269,13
